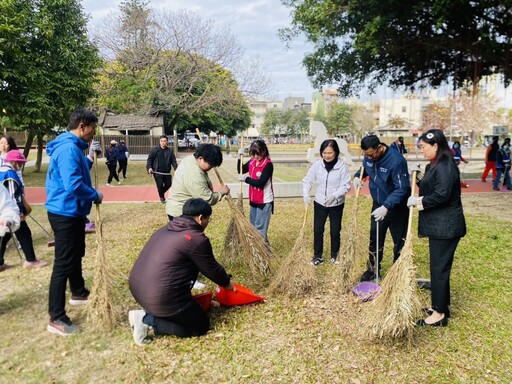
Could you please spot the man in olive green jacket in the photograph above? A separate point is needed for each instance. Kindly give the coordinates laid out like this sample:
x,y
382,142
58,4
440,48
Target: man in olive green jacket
x,y
191,180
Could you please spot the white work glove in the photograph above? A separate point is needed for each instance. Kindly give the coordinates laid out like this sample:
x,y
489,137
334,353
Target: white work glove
x,y
94,147
330,200
127,154
100,198
4,228
380,213
242,177
241,152
415,168
307,199
357,183
416,202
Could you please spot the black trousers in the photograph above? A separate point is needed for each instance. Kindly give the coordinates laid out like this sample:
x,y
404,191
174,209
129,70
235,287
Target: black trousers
x,y
112,172
190,321
163,183
396,221
69,250
123,164
441,260
24,236
321,214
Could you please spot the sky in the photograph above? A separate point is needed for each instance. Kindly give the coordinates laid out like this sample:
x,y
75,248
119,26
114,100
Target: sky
x,y
255,24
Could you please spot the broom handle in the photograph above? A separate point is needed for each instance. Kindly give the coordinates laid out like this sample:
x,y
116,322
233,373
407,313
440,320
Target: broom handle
x,y
241,172
413,187
305,217
98,217
361,173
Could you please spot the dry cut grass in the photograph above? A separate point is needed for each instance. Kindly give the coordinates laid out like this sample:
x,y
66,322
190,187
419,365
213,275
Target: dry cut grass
x,y
314,338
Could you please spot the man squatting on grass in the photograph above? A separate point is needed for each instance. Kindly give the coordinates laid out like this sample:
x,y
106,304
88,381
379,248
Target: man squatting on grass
x,y
165,272
70,196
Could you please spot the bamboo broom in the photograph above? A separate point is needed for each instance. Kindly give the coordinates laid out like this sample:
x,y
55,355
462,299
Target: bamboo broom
x,y
296,277
349,250
392,313
232,248
253,245
101,313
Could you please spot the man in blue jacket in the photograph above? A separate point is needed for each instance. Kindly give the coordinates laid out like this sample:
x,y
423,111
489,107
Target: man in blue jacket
x,y
70,196
389,187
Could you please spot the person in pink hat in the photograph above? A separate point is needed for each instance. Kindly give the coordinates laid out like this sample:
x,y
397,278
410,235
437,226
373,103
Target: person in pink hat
x,y
13,161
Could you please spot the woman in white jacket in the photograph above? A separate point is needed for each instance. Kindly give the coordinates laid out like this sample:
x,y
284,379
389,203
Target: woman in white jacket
x,y
333,181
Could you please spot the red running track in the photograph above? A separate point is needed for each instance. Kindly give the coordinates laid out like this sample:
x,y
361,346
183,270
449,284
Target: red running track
x,y
148,193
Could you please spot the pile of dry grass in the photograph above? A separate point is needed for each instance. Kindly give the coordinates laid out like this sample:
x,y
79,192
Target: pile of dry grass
x,y
296,276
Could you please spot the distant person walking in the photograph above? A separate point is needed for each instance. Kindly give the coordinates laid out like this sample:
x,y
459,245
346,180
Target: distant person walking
x,y
503,164
399,145
160,161
7,144
70,196
490,159
111,156
122,158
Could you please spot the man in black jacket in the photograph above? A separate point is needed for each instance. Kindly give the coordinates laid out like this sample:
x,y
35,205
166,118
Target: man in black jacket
x,y
160,161
165,272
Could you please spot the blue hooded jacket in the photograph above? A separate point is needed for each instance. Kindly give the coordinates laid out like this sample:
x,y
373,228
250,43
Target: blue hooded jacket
x,y
389,179
69,190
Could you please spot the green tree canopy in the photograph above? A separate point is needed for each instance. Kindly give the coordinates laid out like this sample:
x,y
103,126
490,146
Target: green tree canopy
x,y
47,64
176,64
403,43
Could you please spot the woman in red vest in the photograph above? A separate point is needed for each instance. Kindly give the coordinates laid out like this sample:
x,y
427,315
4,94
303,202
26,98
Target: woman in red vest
x,y
261,192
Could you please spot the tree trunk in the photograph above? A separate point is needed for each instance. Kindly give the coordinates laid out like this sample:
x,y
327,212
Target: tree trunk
x,y
28,144
39,158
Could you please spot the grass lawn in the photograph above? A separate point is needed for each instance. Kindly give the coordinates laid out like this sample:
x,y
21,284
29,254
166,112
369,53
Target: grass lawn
x,y
314,339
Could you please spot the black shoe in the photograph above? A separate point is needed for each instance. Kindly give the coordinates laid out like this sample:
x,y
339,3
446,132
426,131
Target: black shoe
x,y
368,275
496,189
430,311
162,201
317,261
441,323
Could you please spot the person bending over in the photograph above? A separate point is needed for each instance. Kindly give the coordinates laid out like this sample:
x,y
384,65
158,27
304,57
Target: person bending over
x,y
164,274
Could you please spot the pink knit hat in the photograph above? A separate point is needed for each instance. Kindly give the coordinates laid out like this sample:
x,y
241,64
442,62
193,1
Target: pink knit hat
x,y
15,156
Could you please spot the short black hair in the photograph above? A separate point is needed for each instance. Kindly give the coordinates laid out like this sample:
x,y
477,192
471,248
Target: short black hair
x,y
195,207
330,143
370,141
163,137
81,115
210,153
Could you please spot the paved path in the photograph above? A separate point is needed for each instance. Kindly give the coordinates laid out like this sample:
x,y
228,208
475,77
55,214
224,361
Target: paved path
x,y
148,193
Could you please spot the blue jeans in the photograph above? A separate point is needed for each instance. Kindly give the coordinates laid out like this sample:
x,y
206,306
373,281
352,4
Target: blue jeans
x,y
501,171
260,218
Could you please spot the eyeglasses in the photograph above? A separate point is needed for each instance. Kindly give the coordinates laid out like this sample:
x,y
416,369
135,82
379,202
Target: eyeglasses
x,y
372,153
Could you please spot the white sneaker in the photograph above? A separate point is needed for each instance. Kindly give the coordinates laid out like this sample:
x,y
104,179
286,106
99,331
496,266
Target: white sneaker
x,y
108,184
120,181
139,329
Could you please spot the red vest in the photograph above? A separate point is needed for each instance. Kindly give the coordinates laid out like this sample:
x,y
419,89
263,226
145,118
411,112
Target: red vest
x,y
260,195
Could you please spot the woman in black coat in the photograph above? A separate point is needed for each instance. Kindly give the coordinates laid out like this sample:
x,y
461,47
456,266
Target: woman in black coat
x,y
441,219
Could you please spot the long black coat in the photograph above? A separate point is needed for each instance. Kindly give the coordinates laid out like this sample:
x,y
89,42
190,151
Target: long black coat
x,y
442,217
